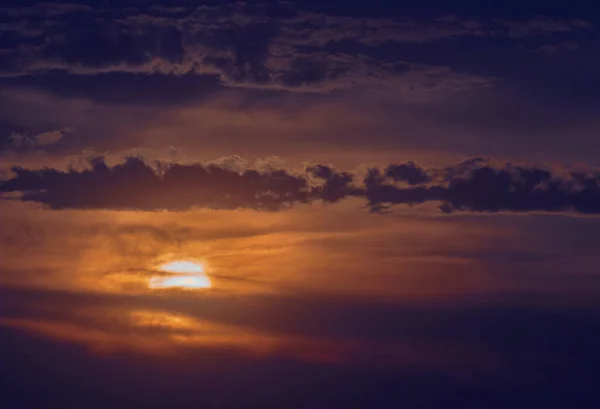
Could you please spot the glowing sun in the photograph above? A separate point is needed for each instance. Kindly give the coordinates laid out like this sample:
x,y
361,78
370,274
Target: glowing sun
x,y
185,275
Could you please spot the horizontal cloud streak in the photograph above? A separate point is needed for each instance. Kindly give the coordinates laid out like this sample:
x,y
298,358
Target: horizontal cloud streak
x,y
475,185
134,184
274,45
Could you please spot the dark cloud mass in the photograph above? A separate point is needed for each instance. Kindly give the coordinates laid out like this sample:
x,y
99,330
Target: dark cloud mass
x,y
134,184
274,44
476,185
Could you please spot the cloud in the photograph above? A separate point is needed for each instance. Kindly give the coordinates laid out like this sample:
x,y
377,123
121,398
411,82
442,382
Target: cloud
x,y
46,10
553,49
542,26
134,184
335,185
479,186
24,140
269,46
409,172
276,46
476,185
395,327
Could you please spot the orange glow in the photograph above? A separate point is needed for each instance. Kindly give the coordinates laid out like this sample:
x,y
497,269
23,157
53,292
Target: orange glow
x,y
144,331
180,274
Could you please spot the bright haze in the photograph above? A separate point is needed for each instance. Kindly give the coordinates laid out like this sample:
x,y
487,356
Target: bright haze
x,y
301,204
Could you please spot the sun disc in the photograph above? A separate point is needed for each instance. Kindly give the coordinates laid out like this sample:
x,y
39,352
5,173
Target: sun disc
x,y
189,282
186,267
185,275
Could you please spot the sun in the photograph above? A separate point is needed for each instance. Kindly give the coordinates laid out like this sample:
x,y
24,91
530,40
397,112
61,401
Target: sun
x,y
180,274
182,267
184,282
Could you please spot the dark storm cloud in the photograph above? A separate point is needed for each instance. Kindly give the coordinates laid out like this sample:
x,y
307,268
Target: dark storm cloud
x,y
476,185
264,45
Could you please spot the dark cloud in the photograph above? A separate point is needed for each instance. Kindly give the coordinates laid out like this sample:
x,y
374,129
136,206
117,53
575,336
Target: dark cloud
x,y
542,26
276,45
133,184
18,139
476,185
485,188
46,9
336,186
563,47
409,172
122,88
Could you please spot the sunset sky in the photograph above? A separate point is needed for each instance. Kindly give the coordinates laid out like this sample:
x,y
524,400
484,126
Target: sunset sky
x,y
300,204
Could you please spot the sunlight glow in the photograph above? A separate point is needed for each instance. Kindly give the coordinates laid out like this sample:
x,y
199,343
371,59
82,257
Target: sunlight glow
x,y
185,267
189,282
185,275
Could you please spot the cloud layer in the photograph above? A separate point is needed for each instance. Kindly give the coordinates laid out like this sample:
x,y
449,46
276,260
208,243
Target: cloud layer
x,y
476,185
258,45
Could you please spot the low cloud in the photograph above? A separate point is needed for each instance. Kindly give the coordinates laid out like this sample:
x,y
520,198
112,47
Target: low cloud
x,y
475,185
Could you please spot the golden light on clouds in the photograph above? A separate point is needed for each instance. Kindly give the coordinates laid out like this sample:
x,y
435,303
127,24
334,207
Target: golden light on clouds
x,y
180,274
152,331
132,279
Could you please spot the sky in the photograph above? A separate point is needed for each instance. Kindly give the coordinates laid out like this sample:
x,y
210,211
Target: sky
x,y
299,204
